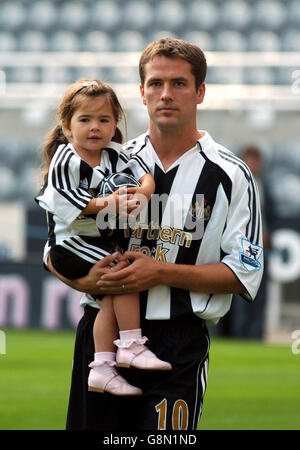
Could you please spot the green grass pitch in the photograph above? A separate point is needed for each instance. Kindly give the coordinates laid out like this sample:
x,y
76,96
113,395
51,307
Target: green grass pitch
x,y
251,385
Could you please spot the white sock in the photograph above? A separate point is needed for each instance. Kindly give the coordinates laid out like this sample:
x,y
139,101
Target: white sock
x,y
104,357
128,335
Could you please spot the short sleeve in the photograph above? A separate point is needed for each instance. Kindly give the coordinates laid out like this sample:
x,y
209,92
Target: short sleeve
x,y
135,164
62,194
241,243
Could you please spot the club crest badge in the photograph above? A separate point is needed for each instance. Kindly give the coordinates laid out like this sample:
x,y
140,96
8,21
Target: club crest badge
x,y
251,255
200,210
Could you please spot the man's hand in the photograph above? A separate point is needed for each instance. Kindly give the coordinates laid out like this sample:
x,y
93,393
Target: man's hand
x,y
143,273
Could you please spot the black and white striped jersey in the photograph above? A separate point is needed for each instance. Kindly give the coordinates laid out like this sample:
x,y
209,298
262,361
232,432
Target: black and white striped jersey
x,y
212,189
70,185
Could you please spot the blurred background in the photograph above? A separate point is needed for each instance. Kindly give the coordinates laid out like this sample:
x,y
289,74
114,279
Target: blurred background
x,y
252,106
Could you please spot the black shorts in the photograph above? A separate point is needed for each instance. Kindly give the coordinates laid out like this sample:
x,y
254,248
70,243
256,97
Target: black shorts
x,y
171,400
72,266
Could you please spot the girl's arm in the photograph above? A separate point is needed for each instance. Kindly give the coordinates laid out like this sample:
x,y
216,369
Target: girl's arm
x,y
147,187
123,199
113,203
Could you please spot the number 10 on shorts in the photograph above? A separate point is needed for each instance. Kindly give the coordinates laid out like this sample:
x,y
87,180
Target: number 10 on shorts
x,y
2,343
179,415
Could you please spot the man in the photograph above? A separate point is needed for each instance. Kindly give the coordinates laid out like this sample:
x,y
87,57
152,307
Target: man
x,y
185,278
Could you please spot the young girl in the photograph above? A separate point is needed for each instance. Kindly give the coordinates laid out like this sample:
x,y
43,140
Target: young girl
x,y
79,152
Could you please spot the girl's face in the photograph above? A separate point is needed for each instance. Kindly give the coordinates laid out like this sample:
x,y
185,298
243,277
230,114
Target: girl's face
x,y
92,126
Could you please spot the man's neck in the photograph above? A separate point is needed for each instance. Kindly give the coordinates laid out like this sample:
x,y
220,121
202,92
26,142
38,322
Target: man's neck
x,y
170,146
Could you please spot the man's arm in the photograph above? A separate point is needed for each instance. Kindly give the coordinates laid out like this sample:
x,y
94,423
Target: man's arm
x,y
145,272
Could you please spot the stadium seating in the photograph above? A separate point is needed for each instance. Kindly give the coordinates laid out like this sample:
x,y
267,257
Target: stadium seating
x,y
259,75
64,40
129,40
12,15
8,184
123,75
170,14
41,15
291,40
97,41
202,12
101,73
230,41
269,14
73,16
284,75
23,75
8,42
33,41
104,15
201,38
263,40
57,75
235,14
108,25
138,15
161,34
119,25
50,20
293,12
29,182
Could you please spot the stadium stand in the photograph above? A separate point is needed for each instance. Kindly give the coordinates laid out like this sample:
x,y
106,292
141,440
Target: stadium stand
x,y
64,40
204,12
129,40
97,41
270,14
74,16
8,42
91,26
227,40
33,41
105,15
201,38
8,186
138,15
263,40
235,14
41,16
12,16
170,14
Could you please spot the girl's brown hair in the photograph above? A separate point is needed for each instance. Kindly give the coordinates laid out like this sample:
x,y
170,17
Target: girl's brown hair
x,y
71,101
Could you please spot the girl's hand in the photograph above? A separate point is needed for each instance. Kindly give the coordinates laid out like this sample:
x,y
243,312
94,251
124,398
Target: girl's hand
x,y
121,202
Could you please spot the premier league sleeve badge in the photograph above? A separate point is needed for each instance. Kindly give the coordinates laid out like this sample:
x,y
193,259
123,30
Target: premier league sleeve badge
x,y
250,255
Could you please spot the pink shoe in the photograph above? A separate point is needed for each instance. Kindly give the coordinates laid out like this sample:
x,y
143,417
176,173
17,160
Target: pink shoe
x,y
112,383
139,356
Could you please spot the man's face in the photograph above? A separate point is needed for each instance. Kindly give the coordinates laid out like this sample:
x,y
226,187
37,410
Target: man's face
x,y
170,94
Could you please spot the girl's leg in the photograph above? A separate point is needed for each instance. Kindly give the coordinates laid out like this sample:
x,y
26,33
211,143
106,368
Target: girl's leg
x,y
103,376
105,326
131,348
127,311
